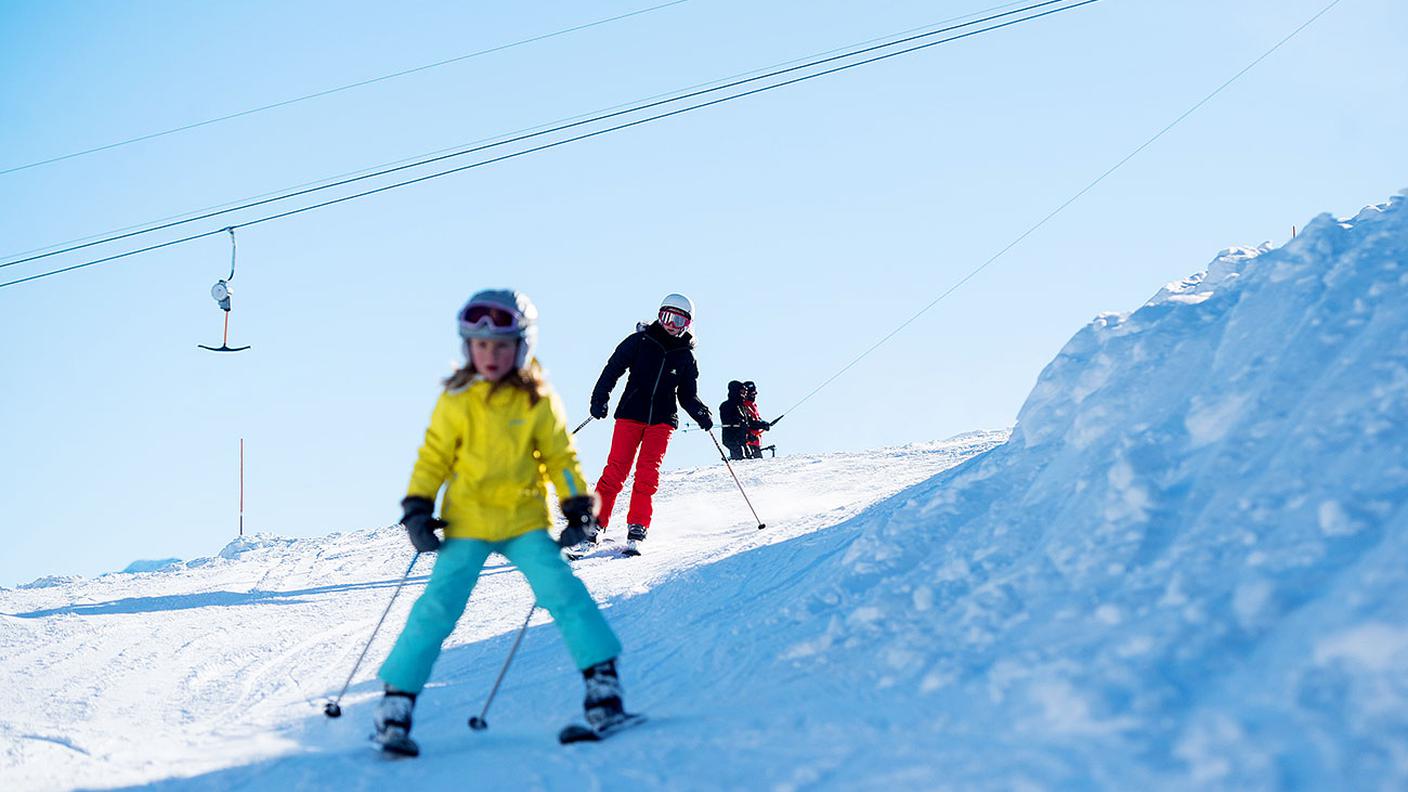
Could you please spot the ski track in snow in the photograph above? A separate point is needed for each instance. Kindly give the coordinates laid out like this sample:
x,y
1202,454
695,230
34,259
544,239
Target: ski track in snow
x,y
215,673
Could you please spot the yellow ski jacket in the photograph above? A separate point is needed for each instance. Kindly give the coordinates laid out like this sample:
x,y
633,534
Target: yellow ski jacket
x,y
497,451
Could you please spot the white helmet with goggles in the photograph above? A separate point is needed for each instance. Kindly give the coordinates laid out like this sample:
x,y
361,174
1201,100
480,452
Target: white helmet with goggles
x,y
676,313
502,314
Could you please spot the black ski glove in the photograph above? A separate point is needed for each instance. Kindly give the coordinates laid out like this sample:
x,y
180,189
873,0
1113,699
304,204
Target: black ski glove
x,y
580,512
598,410
705,421
765,426
420,521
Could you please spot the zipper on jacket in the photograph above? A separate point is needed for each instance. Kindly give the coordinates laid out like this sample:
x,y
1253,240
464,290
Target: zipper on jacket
x,y
650,414
664,356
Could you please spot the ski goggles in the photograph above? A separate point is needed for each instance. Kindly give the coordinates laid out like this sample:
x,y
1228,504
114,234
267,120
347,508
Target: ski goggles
x,y
674,319
487,316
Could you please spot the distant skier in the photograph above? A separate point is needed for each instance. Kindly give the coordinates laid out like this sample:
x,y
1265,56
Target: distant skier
x,y
497,435
660,359
753,446
739,422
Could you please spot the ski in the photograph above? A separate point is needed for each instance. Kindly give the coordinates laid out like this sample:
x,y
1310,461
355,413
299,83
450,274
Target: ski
x,y
577,732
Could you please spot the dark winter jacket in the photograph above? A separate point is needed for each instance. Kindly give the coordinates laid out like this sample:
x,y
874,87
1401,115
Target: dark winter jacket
x,y
663,370
733,418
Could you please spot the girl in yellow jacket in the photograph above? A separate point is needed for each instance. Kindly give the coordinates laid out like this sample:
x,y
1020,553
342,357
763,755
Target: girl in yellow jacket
x,y
497,436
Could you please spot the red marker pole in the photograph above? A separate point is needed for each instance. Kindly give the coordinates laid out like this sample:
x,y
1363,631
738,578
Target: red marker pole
x,y
241,486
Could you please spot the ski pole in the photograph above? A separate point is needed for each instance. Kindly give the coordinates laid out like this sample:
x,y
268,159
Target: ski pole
x,y
333,709
582,424
477,722
724,457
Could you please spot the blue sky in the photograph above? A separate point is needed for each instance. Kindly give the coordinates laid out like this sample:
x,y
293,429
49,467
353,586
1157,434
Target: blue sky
x,y
806,223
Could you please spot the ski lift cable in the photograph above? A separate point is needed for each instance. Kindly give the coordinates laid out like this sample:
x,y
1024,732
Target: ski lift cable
x,y
519,138
237,202
148,249
556,143
1043,221
337,89
490,139
607,116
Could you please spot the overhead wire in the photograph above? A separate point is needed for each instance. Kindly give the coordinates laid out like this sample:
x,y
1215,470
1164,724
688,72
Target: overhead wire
x,y
1043,221
337,89
925,309
1068,5
503,135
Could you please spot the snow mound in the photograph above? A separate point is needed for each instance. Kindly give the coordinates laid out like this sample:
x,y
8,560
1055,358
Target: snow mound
x,y
246,544
150,565
50,581
1189,564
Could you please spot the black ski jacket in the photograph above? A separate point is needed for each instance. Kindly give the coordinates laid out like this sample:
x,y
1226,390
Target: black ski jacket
x,y
737,423
663,370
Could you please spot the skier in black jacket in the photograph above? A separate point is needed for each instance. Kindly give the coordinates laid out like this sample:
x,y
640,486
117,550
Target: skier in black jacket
x,y
738,422
660,359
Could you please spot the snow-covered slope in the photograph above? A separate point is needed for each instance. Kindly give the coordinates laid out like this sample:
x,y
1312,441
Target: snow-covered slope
x,y
1186,569
1190,563
131,678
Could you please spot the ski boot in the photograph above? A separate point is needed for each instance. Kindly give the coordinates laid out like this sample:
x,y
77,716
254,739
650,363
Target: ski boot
x,y
392,721
635,535
603,702
605,715
584,547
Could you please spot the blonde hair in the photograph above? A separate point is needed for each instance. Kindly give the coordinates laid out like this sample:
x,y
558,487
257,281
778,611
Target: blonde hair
x,y
528,379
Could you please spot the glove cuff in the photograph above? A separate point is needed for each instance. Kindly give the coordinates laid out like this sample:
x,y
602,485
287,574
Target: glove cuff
x,y
414,505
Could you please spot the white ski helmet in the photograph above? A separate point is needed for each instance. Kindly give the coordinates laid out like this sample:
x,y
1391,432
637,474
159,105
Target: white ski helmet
x,y
676,314
680,303
505,314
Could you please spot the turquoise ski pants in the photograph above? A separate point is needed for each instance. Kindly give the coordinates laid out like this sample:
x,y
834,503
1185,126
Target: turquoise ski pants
x,y
589,639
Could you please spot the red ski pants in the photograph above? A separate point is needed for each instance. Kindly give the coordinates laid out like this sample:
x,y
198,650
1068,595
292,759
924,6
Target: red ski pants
x,y
651,439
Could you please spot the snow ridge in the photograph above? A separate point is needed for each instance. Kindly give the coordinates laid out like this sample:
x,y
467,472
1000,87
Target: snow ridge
x,y
1188,565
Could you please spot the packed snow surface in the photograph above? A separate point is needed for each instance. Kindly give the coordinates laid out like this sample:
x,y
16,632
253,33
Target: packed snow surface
x,y
217,668
1186,568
